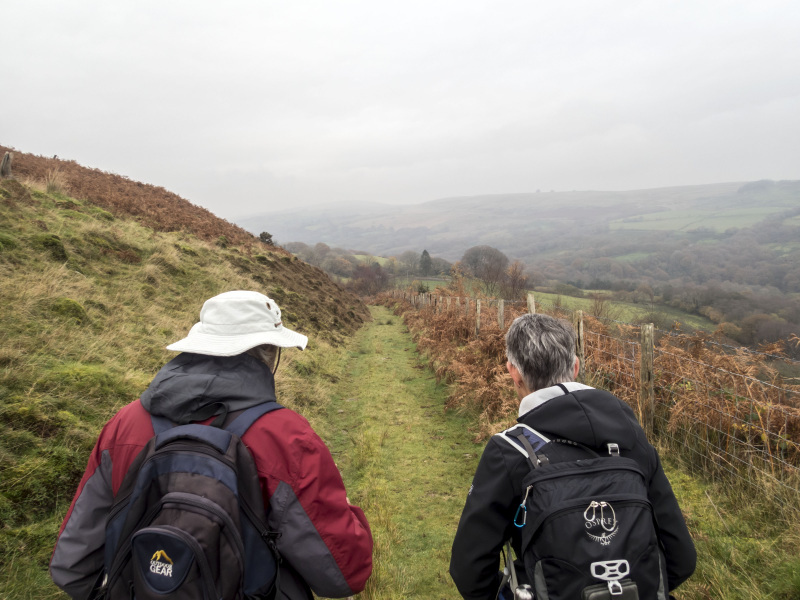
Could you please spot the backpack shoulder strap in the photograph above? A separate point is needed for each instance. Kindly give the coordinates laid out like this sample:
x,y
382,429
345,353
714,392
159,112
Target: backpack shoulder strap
x,y
536,460
243,422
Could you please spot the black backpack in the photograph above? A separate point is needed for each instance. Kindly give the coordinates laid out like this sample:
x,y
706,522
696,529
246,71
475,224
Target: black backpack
x,y
588,528
189,519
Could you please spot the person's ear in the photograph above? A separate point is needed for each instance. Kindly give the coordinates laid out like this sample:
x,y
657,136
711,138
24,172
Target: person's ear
x,y
515,374
576,368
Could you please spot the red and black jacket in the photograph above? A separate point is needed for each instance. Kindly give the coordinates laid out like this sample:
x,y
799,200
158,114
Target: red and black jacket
x,y
325,542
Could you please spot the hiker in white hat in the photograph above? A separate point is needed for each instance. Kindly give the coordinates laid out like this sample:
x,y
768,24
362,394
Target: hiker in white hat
x,y
226,365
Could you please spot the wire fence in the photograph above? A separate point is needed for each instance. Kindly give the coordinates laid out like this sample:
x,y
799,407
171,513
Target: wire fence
x,y
725,411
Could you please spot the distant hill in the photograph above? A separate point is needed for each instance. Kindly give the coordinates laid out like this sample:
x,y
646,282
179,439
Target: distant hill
x,y
529,224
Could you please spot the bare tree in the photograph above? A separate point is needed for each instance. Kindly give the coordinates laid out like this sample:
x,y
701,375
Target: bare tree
x,y
488,265
516,281
409,260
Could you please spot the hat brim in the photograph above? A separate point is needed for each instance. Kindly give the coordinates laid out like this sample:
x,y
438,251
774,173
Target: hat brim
x,y
231,345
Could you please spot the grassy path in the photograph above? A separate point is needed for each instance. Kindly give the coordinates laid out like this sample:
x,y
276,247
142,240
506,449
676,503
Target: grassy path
x,y
409,464
406,462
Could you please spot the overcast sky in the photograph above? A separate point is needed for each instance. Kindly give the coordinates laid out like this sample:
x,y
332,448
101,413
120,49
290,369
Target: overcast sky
x,y
243,107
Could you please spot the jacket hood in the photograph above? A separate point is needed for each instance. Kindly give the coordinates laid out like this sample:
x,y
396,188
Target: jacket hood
x,y
589,416
194,387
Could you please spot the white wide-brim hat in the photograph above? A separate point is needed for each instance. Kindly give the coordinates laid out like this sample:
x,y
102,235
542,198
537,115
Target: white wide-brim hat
x,y
234,322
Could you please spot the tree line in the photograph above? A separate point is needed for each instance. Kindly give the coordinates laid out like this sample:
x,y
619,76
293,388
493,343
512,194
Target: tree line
x,y
743,280
490,268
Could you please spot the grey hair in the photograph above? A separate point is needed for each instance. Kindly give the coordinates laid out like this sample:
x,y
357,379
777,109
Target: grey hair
x,y
542,348
266,353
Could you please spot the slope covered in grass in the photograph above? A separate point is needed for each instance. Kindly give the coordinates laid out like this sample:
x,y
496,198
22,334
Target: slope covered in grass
x,y
89,302
148,204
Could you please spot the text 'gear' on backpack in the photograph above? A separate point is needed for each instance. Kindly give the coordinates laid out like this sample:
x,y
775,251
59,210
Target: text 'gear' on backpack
x,y
189,519
592,535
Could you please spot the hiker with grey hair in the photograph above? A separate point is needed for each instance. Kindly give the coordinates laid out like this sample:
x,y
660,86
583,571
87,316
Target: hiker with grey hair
x,y
291,489
561,420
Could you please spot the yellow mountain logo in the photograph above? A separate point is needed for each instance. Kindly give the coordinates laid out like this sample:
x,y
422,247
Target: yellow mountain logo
x,y
161,555
161,564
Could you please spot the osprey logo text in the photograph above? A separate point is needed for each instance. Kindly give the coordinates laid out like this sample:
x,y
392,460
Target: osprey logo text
x,y
601,522
161,564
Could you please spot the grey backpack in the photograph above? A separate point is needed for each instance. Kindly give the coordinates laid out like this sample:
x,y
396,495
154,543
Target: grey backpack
x,y
189,519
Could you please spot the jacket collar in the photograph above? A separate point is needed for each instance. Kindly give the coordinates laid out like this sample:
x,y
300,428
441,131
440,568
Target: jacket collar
x,y
539,397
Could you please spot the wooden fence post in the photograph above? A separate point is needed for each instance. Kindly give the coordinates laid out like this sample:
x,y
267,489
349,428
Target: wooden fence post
x,y
477,318
5,166
531,304
646,393
448,303
501,315
580,343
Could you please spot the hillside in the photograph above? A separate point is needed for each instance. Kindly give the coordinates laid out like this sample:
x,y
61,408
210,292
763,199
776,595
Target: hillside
x,y
90,299
150,205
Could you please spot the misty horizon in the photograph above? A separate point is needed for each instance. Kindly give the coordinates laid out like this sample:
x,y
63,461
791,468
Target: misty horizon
x,y
246,107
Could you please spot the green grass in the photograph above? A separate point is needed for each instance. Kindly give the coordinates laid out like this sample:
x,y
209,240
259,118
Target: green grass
x,y
745,551
407,462
626,311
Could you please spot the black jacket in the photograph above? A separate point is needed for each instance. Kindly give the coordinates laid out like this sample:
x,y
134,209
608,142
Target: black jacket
x,y
593,418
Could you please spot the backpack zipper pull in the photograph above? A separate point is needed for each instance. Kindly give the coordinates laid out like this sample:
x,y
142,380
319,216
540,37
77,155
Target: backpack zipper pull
x,y
524,510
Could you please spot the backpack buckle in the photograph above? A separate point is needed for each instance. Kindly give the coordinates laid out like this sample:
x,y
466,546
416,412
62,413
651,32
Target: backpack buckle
x,y
613,449
611,571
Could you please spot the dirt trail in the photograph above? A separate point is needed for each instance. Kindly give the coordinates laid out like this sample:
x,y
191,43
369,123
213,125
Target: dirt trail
x,y
405,460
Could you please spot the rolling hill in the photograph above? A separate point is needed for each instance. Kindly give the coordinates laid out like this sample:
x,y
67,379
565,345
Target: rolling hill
x,y
529,225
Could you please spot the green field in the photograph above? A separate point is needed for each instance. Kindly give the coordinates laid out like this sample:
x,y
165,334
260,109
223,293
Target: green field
x,y
415,282
368,257
625,311
716,220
